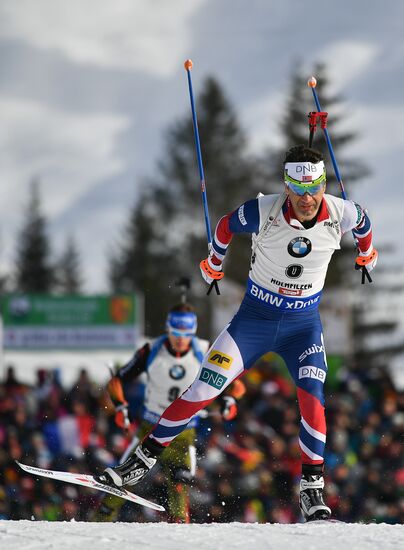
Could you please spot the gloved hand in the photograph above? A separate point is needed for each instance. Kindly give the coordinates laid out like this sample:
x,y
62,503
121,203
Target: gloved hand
x,y
228,407
122,416
366,264
115,391
369,261
210,272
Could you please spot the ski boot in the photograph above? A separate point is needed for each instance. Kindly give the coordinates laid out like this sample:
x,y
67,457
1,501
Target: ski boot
x,y
134,468
311,493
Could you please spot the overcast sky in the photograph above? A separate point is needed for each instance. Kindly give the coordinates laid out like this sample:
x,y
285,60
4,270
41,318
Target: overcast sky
x,y
88,86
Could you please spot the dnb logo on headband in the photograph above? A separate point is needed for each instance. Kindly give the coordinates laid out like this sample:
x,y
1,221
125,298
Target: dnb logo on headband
x,y
304,172
299,247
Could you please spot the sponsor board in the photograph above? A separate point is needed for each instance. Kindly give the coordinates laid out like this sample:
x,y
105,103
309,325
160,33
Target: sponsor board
x,y
40,321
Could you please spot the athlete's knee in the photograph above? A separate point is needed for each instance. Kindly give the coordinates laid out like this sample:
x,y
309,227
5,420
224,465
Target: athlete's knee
x,y
201,390
311,381
310,396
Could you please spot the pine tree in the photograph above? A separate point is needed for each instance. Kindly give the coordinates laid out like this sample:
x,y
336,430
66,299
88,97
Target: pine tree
x,y
165,238
4,276
68,269
34,271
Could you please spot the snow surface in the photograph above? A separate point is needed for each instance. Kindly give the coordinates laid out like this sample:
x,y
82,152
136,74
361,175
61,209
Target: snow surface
x,y
43,535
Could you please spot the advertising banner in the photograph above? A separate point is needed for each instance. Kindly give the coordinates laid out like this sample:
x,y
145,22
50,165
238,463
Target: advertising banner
x,y
70,322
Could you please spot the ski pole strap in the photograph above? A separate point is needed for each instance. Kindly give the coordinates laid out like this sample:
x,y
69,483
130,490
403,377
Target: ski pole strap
x,y
316,117
214,285
365,275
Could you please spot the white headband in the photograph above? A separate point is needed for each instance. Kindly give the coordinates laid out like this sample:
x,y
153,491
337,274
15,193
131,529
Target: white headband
x,y
304,172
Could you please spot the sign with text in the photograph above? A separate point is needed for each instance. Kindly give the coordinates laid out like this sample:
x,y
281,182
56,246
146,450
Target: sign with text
x,y
33,321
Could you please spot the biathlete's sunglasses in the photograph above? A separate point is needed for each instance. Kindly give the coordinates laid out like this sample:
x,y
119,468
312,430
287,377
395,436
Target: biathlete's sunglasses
x,y
182,323
180,333
301,188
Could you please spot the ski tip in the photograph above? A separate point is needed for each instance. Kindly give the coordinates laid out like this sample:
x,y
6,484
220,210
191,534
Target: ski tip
x,y
312,82
159,507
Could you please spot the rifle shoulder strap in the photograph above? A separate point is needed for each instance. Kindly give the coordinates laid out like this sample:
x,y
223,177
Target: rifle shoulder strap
x,y
272,215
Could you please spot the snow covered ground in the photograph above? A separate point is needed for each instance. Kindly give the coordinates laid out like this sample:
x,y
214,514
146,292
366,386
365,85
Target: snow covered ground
x,y
42,535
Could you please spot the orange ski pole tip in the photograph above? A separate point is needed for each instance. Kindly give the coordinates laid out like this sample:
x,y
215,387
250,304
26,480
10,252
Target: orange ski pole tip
x,y
312,82
188,64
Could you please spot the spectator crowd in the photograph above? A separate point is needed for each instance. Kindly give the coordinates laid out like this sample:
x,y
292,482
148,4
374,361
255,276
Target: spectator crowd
x,y
248,469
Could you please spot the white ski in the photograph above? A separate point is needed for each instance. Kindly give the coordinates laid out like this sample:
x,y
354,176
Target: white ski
x,y
88,481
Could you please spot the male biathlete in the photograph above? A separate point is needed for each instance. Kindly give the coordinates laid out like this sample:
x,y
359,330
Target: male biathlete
x,y
294,235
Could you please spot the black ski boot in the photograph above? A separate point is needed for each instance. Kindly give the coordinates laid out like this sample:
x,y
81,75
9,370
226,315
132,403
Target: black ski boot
x,y
134,468
311,493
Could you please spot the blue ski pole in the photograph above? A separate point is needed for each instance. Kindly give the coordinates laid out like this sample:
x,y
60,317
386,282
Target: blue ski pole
x,y
312,83
188,66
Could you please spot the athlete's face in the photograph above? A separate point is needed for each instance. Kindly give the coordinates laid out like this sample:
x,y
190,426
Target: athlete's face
x,y
179,343
305,206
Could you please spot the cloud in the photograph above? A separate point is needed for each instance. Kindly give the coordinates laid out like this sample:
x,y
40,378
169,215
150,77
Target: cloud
x,y
347,60
69,154
148,36
261,120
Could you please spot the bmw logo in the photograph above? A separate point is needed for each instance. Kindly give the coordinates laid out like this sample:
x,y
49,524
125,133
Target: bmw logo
x,y
177,372
294,271
299,247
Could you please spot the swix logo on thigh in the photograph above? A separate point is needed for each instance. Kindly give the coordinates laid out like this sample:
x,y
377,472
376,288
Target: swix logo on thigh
x,y
212,378
220,359
309,351
312,372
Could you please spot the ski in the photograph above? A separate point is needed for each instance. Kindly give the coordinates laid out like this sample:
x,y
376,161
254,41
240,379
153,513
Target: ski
x,y
88,481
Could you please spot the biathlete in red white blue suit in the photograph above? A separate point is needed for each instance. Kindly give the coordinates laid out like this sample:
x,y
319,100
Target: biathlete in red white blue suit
x,y
294,235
